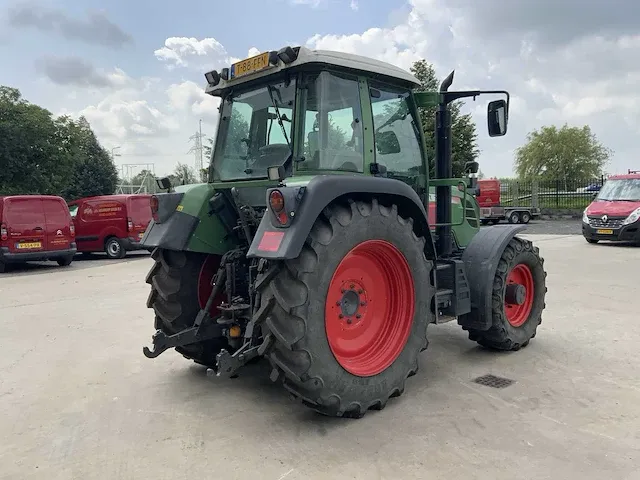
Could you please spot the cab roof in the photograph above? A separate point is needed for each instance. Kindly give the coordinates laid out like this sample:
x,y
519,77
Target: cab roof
x,y
329,58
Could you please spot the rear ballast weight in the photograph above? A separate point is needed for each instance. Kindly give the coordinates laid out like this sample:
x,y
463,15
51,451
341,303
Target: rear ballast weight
x,y
326,255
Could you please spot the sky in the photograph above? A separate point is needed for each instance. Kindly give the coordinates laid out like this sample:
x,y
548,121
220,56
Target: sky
x,y
135,70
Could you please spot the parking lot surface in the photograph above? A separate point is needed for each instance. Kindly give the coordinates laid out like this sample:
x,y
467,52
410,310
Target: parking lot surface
x,y
78,400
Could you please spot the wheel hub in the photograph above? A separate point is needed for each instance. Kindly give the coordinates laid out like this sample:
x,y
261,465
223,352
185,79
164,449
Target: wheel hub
x,y
515,294
353,303
519,295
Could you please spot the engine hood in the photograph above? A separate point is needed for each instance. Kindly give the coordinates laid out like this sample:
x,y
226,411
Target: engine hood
x,y
614,209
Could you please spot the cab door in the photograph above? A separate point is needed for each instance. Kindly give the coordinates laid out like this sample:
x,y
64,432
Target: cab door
x,y
397,138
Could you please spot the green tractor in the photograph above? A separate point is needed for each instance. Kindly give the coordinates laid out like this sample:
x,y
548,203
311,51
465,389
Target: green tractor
x,y
319,241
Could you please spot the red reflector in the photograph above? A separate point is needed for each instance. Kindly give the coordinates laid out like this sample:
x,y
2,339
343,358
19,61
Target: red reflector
x,y
276,200
282,218
270,241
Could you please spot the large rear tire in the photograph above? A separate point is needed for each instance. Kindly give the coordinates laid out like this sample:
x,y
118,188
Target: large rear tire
x,y
516,310
351,312
180,286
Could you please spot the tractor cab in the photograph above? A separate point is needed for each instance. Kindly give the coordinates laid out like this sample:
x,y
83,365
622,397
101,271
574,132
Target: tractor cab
x,y
316,114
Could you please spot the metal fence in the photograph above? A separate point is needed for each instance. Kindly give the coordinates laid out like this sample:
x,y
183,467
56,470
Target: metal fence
x,y
550,194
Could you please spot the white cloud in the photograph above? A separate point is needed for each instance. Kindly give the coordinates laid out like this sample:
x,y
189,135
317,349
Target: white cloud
x,y
354,5
582,79
190,97
190,52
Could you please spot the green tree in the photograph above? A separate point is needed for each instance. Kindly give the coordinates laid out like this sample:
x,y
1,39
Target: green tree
x,y
94,172
564,153
146,180
47,155
184,174
464,146
33,155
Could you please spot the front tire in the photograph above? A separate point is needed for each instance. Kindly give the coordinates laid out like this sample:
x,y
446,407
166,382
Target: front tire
x,y
351,312
516,311
180,286
591,240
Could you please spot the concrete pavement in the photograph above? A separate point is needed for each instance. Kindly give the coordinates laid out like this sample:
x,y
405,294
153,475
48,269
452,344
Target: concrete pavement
x,y
78,400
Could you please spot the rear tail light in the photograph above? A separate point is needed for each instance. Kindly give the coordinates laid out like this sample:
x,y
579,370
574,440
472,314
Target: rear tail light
x,y
72,230
153,203
276,201
4,235
129,224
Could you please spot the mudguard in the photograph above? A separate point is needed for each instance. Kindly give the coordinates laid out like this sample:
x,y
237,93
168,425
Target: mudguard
x,y
275,242
481,259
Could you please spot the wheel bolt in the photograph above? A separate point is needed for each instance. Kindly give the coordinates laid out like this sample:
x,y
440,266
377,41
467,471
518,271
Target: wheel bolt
x,y
349,321
360,291
358,315
363,303
338,303
341,316
343,291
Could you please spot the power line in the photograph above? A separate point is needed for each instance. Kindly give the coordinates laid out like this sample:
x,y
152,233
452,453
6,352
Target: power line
x,y
197,149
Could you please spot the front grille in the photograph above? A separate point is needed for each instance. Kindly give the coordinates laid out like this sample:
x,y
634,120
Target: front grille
x,y
612,222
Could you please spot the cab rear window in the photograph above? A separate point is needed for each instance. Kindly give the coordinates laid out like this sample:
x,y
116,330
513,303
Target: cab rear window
x,y
55,210
24,211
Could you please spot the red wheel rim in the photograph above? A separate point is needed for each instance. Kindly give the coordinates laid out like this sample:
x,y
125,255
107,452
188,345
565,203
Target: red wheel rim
x,y
369,308
518,313
207,272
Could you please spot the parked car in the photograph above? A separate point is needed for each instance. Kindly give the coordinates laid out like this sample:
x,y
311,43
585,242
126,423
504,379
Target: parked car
x,y
113,224
614,214
594,187
35,228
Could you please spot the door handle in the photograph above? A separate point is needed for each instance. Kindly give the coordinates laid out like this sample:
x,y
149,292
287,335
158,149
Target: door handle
x,y
38,228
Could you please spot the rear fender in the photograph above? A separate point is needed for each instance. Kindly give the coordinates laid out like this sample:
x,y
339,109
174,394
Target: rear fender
x,y
304,204
187,223
481,259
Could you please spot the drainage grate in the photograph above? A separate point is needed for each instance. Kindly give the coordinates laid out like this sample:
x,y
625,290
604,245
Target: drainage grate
x,y
493,381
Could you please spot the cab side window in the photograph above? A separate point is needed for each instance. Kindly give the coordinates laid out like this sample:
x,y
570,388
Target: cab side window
x,y
395,133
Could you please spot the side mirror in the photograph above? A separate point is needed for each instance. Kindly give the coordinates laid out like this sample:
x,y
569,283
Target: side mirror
x,y
471,167
497,118
387,143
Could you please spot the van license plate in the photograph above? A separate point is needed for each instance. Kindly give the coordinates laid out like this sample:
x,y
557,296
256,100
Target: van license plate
x,y
604,232
25,246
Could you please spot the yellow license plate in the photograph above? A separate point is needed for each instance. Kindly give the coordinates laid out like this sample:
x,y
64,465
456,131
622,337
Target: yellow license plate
x,y
23,246
604,232
250,65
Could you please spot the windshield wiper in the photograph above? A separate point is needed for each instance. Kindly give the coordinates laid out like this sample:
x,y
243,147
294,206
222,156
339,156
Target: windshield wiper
x,y
270,89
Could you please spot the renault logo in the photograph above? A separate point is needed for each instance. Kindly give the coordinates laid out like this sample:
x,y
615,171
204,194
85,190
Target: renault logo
x,y
605,218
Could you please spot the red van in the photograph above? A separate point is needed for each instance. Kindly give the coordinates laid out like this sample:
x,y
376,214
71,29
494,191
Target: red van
x,y
113,224
35,228
614,213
